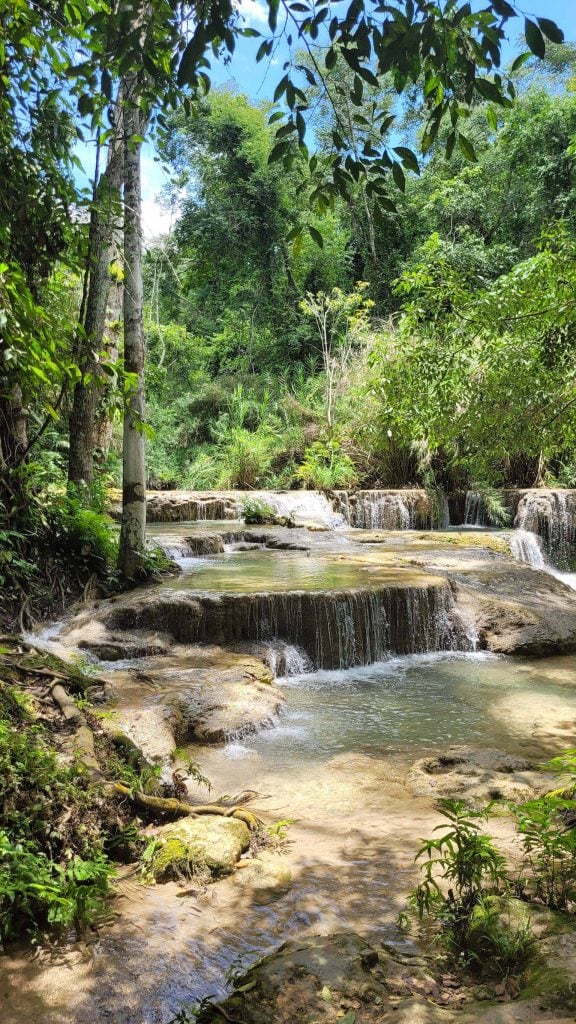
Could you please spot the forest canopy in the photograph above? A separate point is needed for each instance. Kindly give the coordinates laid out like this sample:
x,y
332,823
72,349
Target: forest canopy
x,y
369,282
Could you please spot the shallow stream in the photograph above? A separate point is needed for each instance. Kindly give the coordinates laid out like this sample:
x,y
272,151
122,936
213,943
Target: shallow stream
x,y
333,769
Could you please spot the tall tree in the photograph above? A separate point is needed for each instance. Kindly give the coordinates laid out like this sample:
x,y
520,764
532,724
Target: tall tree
x,y
134,453
105,218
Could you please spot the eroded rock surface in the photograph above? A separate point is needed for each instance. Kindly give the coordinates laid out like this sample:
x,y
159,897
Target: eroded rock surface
x,y
476,776
205,694
518,610
324,978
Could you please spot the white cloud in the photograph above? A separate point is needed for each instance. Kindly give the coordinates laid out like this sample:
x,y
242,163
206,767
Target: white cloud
x,y
157,219
254,12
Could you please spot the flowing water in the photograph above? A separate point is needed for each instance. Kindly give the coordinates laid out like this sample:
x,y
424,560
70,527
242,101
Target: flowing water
x,y
334,764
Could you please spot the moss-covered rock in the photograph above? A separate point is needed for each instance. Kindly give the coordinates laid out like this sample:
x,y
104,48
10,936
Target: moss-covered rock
x,y
196,845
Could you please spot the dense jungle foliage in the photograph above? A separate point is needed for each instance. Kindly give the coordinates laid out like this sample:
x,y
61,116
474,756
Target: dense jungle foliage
x,y
369,282
434,344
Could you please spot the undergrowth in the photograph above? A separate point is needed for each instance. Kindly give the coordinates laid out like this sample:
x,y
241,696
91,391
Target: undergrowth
x,y
54,872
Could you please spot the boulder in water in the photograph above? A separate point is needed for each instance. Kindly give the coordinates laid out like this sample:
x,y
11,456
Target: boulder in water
x,y
263,880
517,609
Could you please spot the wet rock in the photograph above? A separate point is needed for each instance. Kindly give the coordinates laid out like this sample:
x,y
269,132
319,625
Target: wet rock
x,y
326,978
517,609
263,881
180,506
118,649
205,694
476,776
152,729
193,845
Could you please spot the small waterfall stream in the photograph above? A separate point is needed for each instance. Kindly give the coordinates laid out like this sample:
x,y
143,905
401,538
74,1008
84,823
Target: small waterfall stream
x,y
334,629
552,515
474,510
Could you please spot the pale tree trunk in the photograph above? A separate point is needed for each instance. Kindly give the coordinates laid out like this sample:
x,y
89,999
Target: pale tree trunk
x,y
133,527
104,221
103,427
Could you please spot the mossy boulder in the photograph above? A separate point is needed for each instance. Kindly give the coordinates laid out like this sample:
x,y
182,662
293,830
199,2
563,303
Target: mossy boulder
x,y
197,845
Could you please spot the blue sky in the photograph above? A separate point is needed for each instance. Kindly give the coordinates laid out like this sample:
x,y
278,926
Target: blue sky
x,y
258,81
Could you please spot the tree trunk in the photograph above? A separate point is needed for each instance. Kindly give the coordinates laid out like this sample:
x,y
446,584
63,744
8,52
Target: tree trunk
x,y
103,428
13,448
104,219
133,527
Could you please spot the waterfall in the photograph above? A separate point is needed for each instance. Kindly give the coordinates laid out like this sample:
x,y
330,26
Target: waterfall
x,y
383,510
335,629
283,659
172,506
526,548
303,506
550,515
474,511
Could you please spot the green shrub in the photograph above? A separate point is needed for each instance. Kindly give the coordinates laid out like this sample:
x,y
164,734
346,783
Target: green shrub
x,y
326,466
548,829
37,893
256,512
245,458
469,919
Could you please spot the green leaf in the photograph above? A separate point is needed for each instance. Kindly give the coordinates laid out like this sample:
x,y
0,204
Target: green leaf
x,y
278,151
190,57
519,62
551,30
534,38
491,118
408,158
399,177
281,88
106,84
273,6
316,236
466,148
331,58
489,90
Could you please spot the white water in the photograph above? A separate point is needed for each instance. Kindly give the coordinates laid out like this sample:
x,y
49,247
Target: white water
x,y
526,547
548,514
304,506
378,510
474,509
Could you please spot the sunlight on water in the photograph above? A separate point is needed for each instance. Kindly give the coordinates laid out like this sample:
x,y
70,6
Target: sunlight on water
x,y
405,704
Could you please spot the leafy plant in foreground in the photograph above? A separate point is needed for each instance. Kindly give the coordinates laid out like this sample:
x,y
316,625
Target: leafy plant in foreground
x,y
468,908
548,829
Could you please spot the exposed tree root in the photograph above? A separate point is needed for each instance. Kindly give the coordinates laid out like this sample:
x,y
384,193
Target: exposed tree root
x,y
83,739
177,808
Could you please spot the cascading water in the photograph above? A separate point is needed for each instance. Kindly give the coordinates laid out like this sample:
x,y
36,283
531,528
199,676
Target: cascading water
x,y
474,509
525,547
377,510
303,506
335,629
551,515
